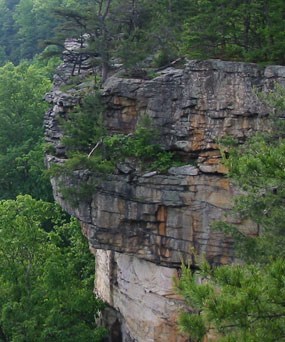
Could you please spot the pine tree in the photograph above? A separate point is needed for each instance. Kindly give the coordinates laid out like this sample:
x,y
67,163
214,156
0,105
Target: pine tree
x,y
245,302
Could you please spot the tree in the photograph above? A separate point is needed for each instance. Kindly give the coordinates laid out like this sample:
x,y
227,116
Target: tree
x,y
250,30
85,24
165,27
32,25
21,129
24,25
235,303
46,275
257,167
130,30
7,32
245,302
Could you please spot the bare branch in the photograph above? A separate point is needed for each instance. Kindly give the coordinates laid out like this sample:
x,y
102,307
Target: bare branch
x,y
94,148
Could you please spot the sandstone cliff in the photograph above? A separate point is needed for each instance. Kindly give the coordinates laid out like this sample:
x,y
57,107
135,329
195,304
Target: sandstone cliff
x,y
140,226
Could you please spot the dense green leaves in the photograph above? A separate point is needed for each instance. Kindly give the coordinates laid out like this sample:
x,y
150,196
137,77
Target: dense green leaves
x,y
84,127
250,30
257,167
21,129
24,26
131,30
46,275
46,269
89,145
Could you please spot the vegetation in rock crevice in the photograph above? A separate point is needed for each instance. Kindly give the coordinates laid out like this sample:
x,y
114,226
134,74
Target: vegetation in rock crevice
x,y
245,301
93,152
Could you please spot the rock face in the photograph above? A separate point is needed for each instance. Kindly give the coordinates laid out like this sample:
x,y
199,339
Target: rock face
x,y
140,226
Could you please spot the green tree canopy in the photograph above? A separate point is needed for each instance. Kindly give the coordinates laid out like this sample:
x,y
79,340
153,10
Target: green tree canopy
x,y
21,129
134,30
46,275
248,30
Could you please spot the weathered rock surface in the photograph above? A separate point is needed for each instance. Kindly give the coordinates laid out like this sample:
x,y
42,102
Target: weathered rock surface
x,y
142,291
140,226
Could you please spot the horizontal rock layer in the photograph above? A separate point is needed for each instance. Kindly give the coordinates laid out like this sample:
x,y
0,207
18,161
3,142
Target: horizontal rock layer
x,y
142,225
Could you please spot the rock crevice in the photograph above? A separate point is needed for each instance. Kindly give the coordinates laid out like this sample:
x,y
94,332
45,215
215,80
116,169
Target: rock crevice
x,y
140,226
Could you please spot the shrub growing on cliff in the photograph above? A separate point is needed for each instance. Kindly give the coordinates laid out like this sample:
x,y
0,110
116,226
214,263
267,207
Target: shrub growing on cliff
x,y
143,145
84,127
235,303
94,152
90,145
246,302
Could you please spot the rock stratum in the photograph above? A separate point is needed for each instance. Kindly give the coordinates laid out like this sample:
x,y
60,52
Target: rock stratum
x,y
140,226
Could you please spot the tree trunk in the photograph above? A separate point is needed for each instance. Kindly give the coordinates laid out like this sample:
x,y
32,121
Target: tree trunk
x,y
105,70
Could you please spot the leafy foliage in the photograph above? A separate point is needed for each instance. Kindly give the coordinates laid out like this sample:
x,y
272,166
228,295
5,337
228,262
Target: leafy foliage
x,y
89,146
134,30
244,30
84,127
143,144
257,167
21,129
94,154
46,275
25,25
250,30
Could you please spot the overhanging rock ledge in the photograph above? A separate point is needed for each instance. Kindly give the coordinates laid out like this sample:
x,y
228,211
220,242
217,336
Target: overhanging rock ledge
x,y
140,226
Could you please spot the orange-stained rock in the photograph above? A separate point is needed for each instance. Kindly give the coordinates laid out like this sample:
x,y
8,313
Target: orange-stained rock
x,y
142,225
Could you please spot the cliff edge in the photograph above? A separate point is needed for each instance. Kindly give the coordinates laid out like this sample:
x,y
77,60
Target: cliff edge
x,y
140,226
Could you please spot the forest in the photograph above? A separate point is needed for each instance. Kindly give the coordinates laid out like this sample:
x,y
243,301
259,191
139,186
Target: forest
x,y
47,274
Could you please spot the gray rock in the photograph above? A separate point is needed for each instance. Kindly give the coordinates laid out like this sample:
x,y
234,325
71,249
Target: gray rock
x,y
186,170
125,168
149,174
142,226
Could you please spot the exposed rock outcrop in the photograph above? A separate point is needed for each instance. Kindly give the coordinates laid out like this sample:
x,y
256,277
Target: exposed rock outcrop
x,y
140,226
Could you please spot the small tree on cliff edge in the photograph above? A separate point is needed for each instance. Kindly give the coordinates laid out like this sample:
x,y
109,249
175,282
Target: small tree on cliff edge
x,y
99,26
130,30
87,24
247,302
